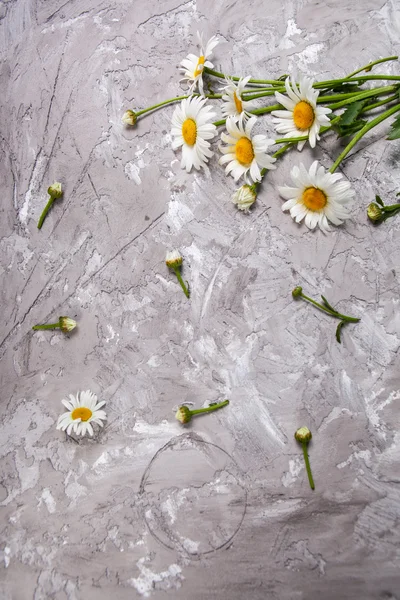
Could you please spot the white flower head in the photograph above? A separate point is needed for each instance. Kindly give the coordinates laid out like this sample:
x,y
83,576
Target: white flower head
x,y
244,153
244,197
83,410
67,324
192,66
191,127
234,105
317,197
303,116
129,117
173,259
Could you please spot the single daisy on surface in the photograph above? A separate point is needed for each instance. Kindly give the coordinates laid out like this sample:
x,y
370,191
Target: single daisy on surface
x,y
233,105
191,127
83,410
303,116
244,153
318,197
192,66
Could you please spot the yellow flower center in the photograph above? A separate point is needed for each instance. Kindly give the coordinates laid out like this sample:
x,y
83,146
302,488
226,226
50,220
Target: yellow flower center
x,y
81,413
314,199
244,151
199,68
189,132
238,103
303,115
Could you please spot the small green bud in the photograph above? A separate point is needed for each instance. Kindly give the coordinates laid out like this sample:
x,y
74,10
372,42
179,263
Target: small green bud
x,y
67,324
129,118
297,292
183,415
374,212
55,190
303,435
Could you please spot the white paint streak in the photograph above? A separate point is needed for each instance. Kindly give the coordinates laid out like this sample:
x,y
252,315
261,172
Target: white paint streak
x,y
48,500
145,583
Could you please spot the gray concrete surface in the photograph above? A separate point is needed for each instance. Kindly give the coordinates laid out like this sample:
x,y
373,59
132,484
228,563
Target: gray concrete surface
x,y
221,509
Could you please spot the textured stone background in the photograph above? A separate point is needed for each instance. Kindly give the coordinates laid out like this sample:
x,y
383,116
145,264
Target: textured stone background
x,y
225,510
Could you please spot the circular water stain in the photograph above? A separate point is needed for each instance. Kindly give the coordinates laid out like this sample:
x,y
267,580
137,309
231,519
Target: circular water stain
x,y
191,497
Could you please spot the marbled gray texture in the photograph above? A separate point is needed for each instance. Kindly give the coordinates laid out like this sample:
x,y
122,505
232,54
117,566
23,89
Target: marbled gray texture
x,y
140,511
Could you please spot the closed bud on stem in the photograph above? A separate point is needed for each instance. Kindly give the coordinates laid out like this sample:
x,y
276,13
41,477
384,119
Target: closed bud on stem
x,y
67,324
173,259
55,190
183,415
374,212
303,435
129,118
297,292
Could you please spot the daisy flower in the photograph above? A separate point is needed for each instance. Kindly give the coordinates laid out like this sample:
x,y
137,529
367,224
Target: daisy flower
x,y
233,105
192,66
317,197
83,410
243,152
192,126
303,116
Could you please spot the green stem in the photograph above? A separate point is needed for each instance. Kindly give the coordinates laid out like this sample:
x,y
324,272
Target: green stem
x,y
306,460
330,83
47,326
198,411
361,133
223,76
333,313
390,207
388,100
370,65
45,211
363,95
280,151
183,285
139,113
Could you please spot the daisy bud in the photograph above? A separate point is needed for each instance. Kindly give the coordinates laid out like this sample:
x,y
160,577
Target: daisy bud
x,y
173,259
303,435
67,324
244,197
297,292
184,414
374,212
129,117
64,323
55,190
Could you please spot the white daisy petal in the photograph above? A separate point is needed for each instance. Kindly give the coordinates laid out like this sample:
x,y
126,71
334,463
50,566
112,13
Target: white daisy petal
x,y
317,197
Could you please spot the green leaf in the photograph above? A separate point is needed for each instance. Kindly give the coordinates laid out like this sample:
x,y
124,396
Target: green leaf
x,y
338,331
342,131
395,131
326,303
351,113
379,200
